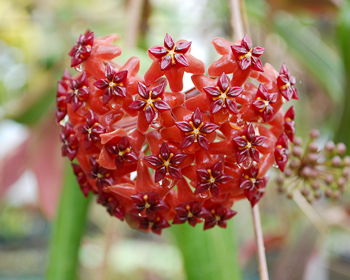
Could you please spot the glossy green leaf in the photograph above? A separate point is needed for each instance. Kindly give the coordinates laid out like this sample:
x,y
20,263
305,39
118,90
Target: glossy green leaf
x,y
208,255
68,229
317,57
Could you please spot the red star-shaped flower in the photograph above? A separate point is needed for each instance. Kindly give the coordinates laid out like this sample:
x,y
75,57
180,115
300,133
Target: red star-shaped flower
x,y
63,89
82,180
70,142
223,95
82,49
196,130
123,152
171,54
148,203
113,84
155,224
217,215
289,123
102,175
211,178
285,83
253,186
172,59
281,151
166,163
92,128
151,100
247,56
263,101
112,205
188,212
79,91
248,146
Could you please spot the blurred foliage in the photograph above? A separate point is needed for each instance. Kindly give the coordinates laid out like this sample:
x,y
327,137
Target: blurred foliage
x,y
68,230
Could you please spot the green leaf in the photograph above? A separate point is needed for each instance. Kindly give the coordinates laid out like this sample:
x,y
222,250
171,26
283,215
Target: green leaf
x,y
68,229
317,57
208,255
343,40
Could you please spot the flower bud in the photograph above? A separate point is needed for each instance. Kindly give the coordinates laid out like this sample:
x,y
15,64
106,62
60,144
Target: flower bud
x,y
313,147
314,134
336,161
330,146
297,151
294,164
315,185
313,158
298,141
329,179
341,148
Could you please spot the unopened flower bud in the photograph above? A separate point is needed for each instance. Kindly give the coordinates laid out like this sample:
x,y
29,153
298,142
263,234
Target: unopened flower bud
x,y
288,172
328,193
346,173
336,195
347,161
317,195
315,185
341,182
341,148
313,158
329,179
336,161
298,141
330,146
305,192
297,151
314,134
295,164
313,147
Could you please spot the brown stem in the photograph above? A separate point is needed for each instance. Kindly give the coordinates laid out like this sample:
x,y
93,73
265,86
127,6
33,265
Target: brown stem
x,y
263,271
236,19
134,10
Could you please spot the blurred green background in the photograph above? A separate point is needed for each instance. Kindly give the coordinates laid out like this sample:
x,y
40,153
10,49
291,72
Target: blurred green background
x,y
310,36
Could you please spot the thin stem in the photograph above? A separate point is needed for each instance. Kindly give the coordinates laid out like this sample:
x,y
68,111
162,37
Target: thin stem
x,y
263,271
236,19
309,211
134,10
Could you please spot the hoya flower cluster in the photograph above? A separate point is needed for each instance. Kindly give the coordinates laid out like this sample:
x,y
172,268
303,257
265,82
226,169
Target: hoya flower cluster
x,y
155,155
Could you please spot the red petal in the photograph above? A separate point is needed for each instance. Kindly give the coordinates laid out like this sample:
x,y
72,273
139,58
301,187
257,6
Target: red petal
x,y
158,51
216,106
168,42
203,142
142,90
181,59
165,63
184,126
150,114
188,141
183,46
197,117
137,105
223,82
213,91
154,161
160,174
161,105
209,128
